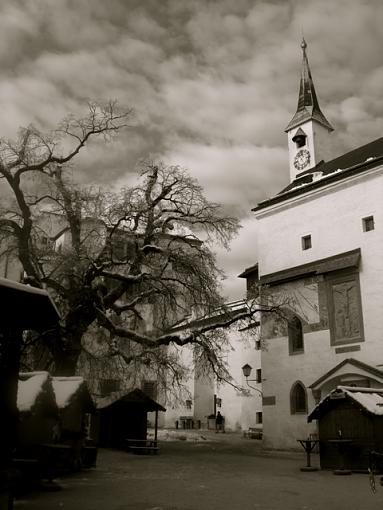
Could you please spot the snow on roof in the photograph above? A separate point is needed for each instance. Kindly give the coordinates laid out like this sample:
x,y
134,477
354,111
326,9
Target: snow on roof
x,y
64,389
29,388
370,399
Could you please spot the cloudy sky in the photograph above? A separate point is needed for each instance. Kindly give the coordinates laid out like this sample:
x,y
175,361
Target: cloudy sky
x,y
213,85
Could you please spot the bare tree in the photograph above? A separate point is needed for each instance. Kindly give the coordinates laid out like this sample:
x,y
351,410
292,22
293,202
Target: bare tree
x,y
109,257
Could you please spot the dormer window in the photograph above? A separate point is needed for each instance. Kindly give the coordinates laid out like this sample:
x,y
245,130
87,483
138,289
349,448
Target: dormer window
x,y
299,138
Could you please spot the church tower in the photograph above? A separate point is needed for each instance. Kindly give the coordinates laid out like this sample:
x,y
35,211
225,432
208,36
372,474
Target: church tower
x,y
308,132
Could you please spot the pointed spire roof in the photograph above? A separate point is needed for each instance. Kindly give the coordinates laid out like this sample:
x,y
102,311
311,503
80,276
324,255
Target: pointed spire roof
x,y
308,106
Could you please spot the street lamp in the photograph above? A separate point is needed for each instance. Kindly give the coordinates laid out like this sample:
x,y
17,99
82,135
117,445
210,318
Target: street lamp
x,y
246,369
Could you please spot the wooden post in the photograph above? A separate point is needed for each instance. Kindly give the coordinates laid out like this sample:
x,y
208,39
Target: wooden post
x,y
156,426
10,346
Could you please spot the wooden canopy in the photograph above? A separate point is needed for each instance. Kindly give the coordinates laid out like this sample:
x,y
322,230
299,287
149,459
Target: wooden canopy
x,y
25,307
136,397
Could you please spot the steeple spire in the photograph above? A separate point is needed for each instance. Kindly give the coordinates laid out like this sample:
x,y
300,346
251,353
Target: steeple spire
x,y
308,106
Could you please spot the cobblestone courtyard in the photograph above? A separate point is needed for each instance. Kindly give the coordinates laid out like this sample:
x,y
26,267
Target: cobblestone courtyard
x,y
225,472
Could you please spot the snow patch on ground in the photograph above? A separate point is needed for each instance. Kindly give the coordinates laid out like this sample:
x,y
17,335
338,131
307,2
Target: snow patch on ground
x,y
180,435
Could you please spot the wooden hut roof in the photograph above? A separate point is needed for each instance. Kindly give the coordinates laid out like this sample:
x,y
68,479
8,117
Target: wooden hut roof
x,y
135,396
26,307
67,389
369,400
34,387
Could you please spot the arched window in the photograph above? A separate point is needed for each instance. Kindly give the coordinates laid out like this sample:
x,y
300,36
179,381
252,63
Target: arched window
x,y
295,334
298,399
299,138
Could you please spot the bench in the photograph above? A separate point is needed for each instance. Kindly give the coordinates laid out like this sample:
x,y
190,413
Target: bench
x,y
142,446
144,450
253,433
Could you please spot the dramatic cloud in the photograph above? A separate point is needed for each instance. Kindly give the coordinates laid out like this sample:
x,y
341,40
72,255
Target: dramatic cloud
x,y
213,85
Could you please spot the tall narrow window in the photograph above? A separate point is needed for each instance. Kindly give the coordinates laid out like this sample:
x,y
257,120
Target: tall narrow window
x,y
368,223
306,242
150,388
259,375
298,399
295,334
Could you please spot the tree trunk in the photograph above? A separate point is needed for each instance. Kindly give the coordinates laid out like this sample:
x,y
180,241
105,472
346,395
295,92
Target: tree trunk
x,y
66,365
65,358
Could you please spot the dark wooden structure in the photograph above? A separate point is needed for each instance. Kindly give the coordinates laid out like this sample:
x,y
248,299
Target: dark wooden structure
x,y
22,308
38,413
125,418
350,425
74,402
75,405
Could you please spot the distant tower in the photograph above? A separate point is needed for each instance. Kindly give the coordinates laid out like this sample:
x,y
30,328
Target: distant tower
x,y
309,131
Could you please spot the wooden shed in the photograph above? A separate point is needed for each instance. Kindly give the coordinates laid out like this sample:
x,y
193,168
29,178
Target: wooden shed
x,y
38,412
125,417
23,308
350,425
74,448
74,402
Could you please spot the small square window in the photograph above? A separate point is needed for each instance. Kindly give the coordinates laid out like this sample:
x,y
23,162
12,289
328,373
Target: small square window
x,y
368,223
306,242
108,386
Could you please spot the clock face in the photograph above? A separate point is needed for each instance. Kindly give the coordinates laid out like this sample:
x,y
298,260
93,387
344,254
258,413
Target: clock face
x,y
302,159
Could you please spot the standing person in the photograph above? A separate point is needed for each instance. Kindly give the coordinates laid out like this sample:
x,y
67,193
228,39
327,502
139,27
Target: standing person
x,y
219,423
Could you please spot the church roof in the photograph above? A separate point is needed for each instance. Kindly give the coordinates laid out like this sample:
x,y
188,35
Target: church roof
x,y
352,163
334,263
308,105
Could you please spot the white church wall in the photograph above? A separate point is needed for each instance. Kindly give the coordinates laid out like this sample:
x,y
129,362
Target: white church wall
x,y
333,217
334,220
175,404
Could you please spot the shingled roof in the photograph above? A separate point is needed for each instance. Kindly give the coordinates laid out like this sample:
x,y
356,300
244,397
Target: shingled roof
x,y
308,105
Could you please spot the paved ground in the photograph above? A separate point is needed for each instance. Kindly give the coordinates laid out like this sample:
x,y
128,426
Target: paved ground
x,y
225,472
